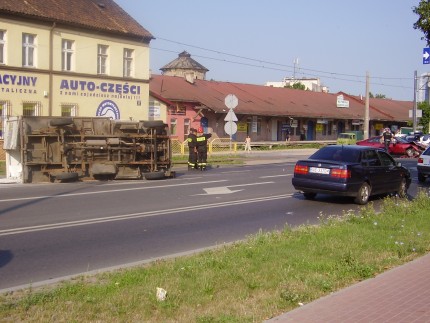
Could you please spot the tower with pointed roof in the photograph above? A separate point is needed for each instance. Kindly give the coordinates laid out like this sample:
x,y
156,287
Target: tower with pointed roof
x,y
185,66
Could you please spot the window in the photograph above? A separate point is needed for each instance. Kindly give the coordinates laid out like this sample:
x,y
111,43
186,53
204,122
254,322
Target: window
x,y
128,63
31,109
69,110
254,125
2,47
154,109
102,57
67,55
4,114
186,126
28,50
173,127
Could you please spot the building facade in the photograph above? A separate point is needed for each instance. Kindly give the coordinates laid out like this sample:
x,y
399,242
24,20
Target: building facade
x,y
89,59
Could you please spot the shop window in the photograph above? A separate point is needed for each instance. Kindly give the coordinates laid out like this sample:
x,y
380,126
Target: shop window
x,y
28,50
254,125
102,59
128,63
173,125
69,110
67,55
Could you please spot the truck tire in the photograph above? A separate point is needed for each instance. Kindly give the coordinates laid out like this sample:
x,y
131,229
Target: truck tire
x,y
153,124
60,122
73,176
154,175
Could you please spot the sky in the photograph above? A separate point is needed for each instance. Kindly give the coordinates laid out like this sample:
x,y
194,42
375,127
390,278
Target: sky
x,y
256,41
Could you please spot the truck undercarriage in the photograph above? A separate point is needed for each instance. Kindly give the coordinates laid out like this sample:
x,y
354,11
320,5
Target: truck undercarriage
x,y
63,148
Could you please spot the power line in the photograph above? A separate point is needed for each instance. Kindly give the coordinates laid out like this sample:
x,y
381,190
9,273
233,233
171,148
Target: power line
x,y
332,75
277,64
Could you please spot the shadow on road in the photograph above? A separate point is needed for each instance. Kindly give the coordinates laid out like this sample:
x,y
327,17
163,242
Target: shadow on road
x,y
5,257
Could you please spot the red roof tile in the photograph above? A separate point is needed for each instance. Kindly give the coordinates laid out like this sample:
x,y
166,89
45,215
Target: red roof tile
x,y
271,101
103,15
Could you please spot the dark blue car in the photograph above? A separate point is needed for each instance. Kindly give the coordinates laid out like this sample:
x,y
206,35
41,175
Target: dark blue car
x,y
356,171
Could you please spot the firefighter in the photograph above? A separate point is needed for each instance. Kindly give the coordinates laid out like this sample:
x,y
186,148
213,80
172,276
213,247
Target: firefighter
x,y
202,148
192,149
387,136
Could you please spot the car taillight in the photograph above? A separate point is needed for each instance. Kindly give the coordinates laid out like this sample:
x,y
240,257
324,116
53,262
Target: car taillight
x,y
301,169
340,173
420,160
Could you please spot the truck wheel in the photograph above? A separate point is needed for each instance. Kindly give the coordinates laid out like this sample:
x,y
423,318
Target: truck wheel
x,y
60,122
67,176
154,175
153,124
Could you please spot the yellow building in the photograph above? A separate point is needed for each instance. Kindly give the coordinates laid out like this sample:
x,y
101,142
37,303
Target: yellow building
x,y
73,58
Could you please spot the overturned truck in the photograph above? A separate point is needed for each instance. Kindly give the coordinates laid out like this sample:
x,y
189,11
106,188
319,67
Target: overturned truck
x,y
47,149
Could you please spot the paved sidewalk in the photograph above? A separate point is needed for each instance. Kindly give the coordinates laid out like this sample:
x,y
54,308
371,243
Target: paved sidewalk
x,y
398,295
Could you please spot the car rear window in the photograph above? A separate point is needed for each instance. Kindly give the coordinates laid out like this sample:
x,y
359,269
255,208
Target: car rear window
x,y
426,152
337,154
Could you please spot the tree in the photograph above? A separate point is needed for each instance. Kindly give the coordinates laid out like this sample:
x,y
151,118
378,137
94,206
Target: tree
x,y
424,121
297,86
423,22
377,96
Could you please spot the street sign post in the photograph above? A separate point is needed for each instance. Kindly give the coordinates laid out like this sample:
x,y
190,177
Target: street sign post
x,y
426,55
231,101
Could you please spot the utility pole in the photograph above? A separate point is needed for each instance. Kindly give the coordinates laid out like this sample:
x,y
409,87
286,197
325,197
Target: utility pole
x,y
296,62
366,109
414,110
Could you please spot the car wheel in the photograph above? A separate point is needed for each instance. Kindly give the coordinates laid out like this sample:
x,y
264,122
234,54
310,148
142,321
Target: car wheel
x,y
363,194
309,195
410,152
421,178
403,190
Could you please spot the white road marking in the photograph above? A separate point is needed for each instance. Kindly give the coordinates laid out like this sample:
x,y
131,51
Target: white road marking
x,y
107,191
269,176
122,217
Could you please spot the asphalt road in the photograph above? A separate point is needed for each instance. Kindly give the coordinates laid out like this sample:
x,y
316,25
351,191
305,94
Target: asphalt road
x,y
49,232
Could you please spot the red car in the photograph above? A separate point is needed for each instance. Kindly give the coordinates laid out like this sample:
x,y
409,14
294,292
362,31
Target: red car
x,y
398,146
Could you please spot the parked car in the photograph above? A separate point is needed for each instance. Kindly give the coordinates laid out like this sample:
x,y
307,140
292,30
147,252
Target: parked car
x,y
423,165
398,146
356,171
424,140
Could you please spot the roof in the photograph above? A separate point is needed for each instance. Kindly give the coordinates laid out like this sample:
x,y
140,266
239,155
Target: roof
x,y
101,15
272,101
184,62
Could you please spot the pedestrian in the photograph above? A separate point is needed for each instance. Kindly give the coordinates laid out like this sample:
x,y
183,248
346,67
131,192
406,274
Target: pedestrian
x,y
202,148
302,134
192,149
387,136
287,133
248,144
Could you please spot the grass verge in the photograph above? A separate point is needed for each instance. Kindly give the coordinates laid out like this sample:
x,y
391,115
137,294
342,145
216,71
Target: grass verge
x,y
264,276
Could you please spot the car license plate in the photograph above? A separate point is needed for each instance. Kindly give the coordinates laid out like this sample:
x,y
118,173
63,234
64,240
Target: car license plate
x,y
319,170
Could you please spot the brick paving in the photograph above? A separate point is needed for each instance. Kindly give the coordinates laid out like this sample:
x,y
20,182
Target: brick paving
x,y
400,295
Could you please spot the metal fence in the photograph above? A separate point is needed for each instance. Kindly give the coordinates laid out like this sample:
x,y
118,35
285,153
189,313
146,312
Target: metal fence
x,y
224,145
